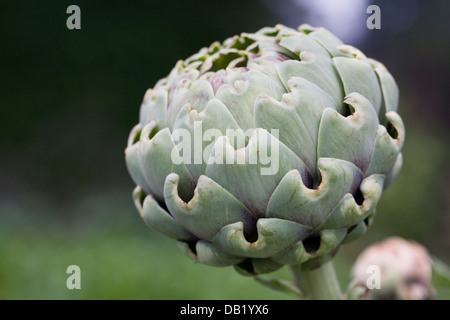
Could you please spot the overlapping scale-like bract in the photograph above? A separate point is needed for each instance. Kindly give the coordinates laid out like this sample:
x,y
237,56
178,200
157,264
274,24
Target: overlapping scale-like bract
x,y
339,138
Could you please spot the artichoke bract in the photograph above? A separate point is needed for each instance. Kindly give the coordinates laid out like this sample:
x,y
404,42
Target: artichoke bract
x,y
267,149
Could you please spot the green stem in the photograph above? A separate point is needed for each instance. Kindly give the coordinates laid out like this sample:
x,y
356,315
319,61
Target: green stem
x,y
317,284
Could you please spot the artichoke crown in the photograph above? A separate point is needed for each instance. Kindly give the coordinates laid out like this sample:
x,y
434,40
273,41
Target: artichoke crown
x,y
331,116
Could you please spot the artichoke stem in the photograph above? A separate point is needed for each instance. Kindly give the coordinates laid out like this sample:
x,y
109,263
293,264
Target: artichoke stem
x,y
317,284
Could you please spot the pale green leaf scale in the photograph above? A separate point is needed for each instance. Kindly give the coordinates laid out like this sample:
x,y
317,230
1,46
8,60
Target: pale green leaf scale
x,y
196,93
175,73
214,118
274,235
358,76
270,113
292,200
253,182
210,254
355,232
316,68
138,198
154,108
263,265
133,159
211,208
299,42
330,240
295,254
264,64
157,218
386,148
388,85
326,39
185,248
348,213
157,162
298,116
392,175
266,31
239,96
349,138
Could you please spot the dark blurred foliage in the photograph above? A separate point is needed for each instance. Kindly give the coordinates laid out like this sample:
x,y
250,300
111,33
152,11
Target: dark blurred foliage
x,y
68,98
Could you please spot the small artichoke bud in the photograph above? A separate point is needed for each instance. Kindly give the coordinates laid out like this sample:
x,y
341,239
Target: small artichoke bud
x,y
405,270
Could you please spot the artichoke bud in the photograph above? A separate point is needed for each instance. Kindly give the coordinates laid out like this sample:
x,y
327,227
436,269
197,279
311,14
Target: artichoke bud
x,y
394,269
267,149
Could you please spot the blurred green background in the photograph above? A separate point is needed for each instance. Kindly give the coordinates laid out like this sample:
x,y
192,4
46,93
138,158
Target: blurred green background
x,y
69,98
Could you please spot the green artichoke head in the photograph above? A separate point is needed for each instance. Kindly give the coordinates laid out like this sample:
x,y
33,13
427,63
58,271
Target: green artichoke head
x,y
270,148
